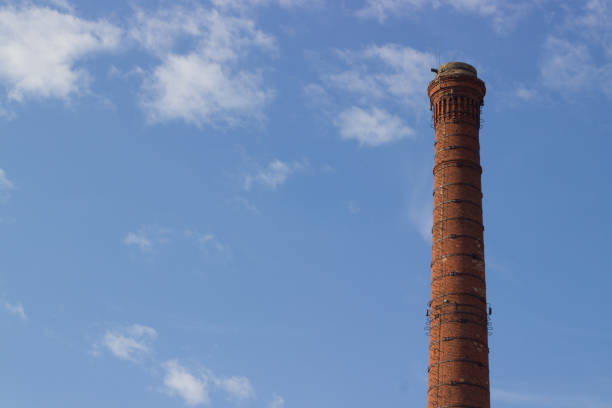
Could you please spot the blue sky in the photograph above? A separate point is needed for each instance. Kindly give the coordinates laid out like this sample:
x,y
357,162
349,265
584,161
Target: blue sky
x,y
227,203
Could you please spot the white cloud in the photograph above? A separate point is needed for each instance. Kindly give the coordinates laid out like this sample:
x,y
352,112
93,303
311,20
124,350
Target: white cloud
x,y
597,13
129,343
62,4
40,48
519,398
569,66
390,75
594,22
195,388
274,175
421,216
380,9
552,399
578,57
419,202
242,4
179,381
389,71
5,183
210,239
237,388
358,83
277,402
372,128
526,94
244,204
503,13
199,91
138,239
566,65
212,83
16,310
148,237
206,240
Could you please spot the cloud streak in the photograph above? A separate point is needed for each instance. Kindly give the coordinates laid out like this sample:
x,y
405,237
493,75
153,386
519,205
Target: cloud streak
x,y
502,13
274,175
138,239
5,183
16,309
149,237
277,402
237,387
245,4
130,343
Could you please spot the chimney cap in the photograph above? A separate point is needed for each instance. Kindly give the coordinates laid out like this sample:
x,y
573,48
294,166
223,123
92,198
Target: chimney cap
x,y
457,68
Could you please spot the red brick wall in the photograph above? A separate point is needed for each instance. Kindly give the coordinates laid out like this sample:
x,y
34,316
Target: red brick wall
x,y
458,347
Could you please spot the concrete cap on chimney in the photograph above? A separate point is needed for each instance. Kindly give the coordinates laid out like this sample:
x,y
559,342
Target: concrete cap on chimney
x,y
457,68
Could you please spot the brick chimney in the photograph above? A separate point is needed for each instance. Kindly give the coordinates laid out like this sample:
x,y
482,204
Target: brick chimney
x,y
458,371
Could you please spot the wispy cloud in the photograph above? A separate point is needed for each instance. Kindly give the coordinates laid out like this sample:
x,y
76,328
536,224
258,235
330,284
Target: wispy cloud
x,y
519,398
134,342
16,309
567,65
194,388
551,399
244,204
237,388
593,22
139,239
373,127
5,183
62,5
179,381
420,214
244,4
393,72
274,175
375,81
130,343
149,237
208,241
503,14
277,402
580,50
526,94
40,49
418,207
212,83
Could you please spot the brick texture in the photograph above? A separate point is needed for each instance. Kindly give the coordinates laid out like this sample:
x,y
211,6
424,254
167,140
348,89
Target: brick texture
x,y
458,372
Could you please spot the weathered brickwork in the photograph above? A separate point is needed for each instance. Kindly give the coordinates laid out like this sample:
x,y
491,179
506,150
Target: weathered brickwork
x,y
458,369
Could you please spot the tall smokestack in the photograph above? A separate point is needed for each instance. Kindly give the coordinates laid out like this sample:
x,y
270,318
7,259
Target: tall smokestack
x,y
458,314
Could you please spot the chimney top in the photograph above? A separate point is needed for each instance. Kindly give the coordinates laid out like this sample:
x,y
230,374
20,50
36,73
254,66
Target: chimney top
x,y
457,68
